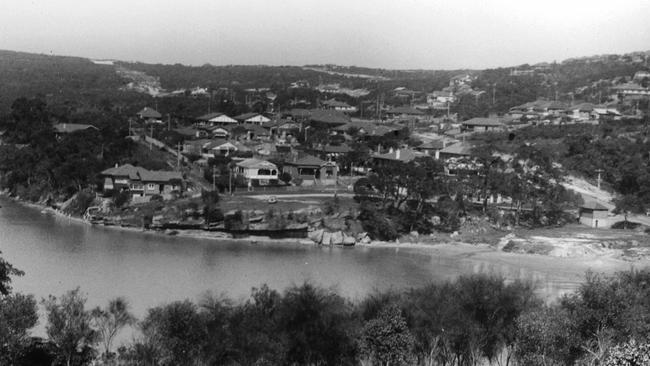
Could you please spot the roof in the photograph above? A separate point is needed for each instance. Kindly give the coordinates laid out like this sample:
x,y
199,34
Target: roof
x,y
329,117
159,175
336,104
404,155
629,86
369,128
216,117
256,129
126,170
139,173
72,127
432,145
460,148
586,107
340,149
256,163
307,160
211,144
490,122
405,110
299,112
595,206
147,112
245,116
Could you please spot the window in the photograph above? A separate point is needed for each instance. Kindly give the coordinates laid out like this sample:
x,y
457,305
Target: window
x,y
151,186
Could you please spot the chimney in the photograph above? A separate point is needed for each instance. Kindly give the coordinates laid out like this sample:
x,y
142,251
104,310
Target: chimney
x,y
390,151
116,165
444,143
397,154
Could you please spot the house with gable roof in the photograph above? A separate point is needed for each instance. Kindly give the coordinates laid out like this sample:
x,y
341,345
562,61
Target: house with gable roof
x,y
257,172
149,115
252,118
141,182
215,119
312,170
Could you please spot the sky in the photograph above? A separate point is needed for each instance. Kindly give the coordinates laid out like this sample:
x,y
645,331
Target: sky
x,y
393,34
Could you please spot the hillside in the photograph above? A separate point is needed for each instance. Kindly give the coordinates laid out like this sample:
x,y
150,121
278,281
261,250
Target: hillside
x,y
80,82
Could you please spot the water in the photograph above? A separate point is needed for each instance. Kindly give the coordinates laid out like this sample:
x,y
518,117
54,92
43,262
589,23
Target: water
x,y
58,254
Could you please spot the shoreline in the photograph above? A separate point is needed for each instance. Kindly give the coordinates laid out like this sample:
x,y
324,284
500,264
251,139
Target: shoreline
x,y
602,260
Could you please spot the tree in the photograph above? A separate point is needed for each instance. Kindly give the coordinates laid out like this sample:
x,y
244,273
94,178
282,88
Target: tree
x,y
173,334
314,323
69,328
18,314
7,270
386,339
110,320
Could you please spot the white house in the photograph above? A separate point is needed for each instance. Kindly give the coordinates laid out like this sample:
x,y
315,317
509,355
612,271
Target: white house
x,y
216,119
254,118
258,172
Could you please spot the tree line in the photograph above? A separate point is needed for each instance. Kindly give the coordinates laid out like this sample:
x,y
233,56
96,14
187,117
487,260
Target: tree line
x,y
473,320
398,197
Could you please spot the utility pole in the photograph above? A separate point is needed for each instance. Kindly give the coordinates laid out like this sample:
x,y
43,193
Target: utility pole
x,y
598,180
230,181
214,179
178,156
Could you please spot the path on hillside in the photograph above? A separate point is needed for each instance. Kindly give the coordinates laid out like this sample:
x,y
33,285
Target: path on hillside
x,y
592,193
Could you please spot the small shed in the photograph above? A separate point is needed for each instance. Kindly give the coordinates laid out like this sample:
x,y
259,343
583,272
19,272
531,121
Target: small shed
x,y
595,215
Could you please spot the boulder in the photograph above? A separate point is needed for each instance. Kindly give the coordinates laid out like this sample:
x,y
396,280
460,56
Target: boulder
x,y
327,238
363,238
349,240
316,236
337,238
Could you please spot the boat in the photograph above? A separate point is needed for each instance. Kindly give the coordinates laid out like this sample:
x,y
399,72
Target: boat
x,y
273,199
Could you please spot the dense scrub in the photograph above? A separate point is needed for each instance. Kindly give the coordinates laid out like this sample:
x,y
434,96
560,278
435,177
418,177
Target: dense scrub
x,y
474,320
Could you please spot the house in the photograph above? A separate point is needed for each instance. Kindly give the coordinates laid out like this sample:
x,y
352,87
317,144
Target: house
x,y
336,105
252,118
312,170
461,79
394,155
282,128
61,129
595,215
581,112
320,118
250,131
141,182
640,75
369,129
195,147
432,148
219,132
631,90
457,150
482,124
440,96
220,147
257,172
215,119
192,133
404,112
149,115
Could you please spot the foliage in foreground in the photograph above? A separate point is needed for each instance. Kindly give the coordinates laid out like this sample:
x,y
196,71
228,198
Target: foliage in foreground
x,y
474,320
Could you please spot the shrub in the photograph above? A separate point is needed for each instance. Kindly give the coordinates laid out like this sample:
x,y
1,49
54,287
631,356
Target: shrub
x,y
120,198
